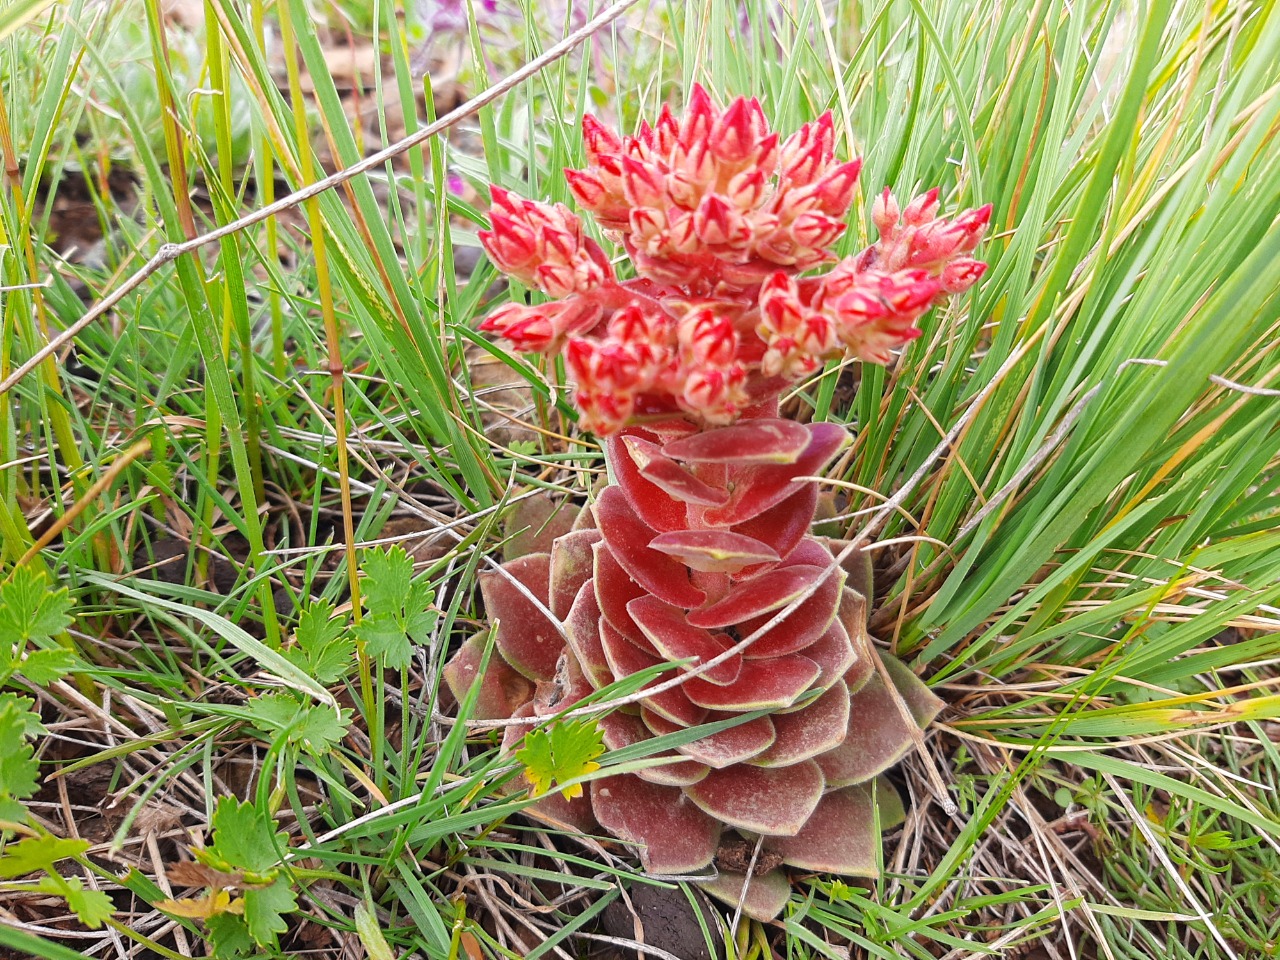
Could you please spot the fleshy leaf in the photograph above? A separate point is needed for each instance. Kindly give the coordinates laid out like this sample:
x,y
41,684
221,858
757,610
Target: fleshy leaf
x,y
859,568
802,626
839,837
762,685
673,637
923,703
673,835
722,749
528,640
559,812
502,689
572,561
759,488
839,657
671,478
718,551
625,658
783,526
879,736
771,800
763,593
614,590
533,523
750,442
654,506
582,629
766,895
625,729
888,801
627,538
813,729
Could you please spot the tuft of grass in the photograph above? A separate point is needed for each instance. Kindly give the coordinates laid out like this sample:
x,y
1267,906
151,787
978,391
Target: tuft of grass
x,y
270,471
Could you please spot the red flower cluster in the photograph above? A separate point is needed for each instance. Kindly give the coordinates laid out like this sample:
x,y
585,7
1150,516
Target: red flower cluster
x,y
719,216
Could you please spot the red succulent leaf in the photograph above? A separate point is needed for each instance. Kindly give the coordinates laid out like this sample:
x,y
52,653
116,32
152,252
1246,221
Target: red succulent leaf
x,y
771,800
879,736
724,748
762,898
858,566
529,641
582,630
714,551
761,487
839,656
574,815
783,526
667,475
802,626
762,685
532,524
748,442
626,729
627,538
614,590
673,835
571,564
502,689
839,837
625,658
812,730
765,592
671,634
654,505
569,687
854,619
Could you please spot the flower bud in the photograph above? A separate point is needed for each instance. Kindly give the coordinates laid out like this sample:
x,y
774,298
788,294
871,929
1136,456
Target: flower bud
x,y
922,209
598,139
885,214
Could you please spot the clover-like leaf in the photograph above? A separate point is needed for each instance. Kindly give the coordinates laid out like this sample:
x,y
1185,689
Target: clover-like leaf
x,y
91,907
325,647
18,768
313,726
563,751
264,909
244,838
29,609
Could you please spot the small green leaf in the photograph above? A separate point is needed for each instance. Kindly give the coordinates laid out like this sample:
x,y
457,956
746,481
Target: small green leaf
x,y
400,612
387,576
263,911
29,610
325,647
311,725
37,853
19,771
93,907
244,837
230,936
43,667
386,641
563,751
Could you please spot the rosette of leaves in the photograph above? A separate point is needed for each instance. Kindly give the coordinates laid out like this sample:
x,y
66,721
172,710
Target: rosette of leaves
x,y
700,554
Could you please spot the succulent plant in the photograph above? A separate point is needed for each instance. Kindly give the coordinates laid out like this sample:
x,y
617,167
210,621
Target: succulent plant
x,y
699,552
